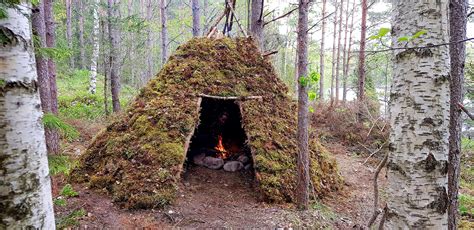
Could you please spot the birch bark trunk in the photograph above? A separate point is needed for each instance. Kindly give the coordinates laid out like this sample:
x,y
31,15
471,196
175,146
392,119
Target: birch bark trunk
x,y
419,108
95,48
25,187
303,107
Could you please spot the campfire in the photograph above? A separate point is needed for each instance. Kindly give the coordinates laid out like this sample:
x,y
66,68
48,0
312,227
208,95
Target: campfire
x,y
219,140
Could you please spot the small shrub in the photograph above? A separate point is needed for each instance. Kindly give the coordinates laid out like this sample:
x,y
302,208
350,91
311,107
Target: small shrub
x,y
68,191
60,164
60,202
72,219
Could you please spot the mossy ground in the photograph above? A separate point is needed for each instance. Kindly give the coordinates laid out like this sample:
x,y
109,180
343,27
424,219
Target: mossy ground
x,y
138,158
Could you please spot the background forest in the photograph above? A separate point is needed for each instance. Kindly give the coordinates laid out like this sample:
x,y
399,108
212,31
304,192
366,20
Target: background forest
x,y
98,54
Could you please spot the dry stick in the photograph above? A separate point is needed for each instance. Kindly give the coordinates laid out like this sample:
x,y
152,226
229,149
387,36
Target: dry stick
x,y
373,153
231,98
281,16
466,111
214,27
376,191
237,20
270,53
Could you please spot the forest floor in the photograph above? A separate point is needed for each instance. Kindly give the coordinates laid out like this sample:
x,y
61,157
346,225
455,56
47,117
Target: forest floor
x,y
214,198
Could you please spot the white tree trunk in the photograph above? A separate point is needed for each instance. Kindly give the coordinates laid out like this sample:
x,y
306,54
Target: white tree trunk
x,y
95,49
25,189
164,31
419,104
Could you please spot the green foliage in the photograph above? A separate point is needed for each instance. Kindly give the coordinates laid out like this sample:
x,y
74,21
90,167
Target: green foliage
x,y
60,164
412,37
53,122
466,204
72,219
382,32
60,202
68,191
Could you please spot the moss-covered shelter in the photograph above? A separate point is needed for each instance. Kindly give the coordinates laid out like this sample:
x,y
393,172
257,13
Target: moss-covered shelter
x,y
139,157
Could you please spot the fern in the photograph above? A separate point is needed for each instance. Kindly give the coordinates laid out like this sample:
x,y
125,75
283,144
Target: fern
x,y
51,121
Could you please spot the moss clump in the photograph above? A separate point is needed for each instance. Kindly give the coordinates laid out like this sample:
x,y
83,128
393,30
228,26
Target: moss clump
x,y
138,158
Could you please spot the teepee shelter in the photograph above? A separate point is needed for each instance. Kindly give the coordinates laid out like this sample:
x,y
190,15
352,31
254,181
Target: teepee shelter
x,y
139,157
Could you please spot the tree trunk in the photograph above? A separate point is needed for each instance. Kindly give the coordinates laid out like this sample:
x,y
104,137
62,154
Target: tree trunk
x,y
196,18
321,53
338,61
82,47
346,75
256,22
302,187
205,11
25,184
53,139
333,69
457,15
106,65
113,39
363,30
164,32
95,48
419,107
345,53
149,42
69,30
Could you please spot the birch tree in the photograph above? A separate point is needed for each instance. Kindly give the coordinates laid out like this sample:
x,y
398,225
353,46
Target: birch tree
x,y
256,21
25,188
303,107
164,32
95,48
419,108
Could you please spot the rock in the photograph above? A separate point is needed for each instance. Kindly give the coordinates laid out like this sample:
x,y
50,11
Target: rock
x,y
213,163
233,166
244,159
198,159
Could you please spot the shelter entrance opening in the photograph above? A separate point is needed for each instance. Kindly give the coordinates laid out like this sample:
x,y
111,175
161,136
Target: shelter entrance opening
x,y
219,141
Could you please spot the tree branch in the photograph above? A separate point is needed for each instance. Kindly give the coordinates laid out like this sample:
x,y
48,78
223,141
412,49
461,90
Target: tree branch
x,y
414,47
320,20
281,16
466,111
376,191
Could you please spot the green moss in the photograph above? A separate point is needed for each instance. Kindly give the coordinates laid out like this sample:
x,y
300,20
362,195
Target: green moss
x,y
145,144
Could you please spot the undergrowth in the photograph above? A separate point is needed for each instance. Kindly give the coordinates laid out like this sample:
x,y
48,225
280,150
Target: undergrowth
x,y
72,219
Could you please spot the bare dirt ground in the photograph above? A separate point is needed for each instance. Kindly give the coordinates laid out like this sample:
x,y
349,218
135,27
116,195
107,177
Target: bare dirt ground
x,y
210,198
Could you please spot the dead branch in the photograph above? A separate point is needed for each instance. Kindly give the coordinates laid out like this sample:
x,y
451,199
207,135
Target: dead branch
x,y
281,16
376,191
384,216
320,20
237,19
374,152
270,53
214,26
466,111
230,98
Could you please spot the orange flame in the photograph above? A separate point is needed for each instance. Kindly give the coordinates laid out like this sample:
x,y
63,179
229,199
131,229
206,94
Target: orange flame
x,y
222,153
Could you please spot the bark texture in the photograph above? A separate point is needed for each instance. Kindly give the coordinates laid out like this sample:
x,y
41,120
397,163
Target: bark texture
x,y
338,58
25,189
52,141
457,19
114,43
196,18
302,186
321,53
419,108
164,32
256,22
95,48
363,31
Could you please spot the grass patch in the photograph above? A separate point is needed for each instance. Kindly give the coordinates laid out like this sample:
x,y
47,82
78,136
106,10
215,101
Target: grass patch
x,y
72,219
60,164
325,211
467,166
53,122
466,205
60,202
68,191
